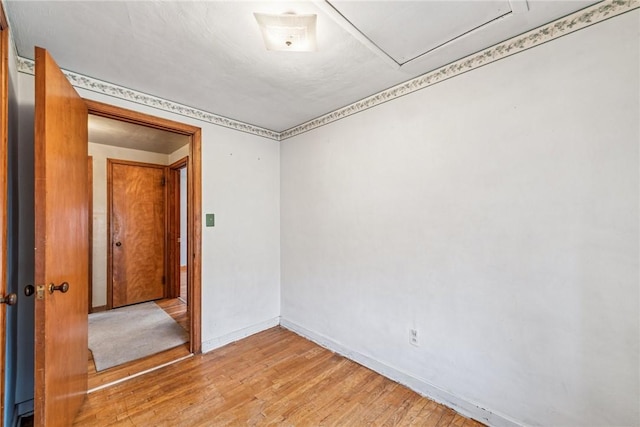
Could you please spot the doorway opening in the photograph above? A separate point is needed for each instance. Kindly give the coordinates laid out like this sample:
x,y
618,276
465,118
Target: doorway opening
x,y
177,178
177,146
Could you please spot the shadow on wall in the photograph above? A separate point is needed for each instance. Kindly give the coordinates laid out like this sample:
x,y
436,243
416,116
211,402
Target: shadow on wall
x,y
19,380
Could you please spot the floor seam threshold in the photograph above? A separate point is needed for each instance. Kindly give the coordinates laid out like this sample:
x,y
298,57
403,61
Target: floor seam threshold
x,y
146,371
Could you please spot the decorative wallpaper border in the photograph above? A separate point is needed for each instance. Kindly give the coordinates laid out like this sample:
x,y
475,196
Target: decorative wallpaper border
x,y
78,80
569,24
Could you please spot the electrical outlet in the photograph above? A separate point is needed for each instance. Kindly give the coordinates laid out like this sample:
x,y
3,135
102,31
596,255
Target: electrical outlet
x,y
413,337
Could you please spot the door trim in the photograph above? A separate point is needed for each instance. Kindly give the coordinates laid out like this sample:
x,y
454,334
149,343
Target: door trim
x,y
4,152
194,208
173,219
90,189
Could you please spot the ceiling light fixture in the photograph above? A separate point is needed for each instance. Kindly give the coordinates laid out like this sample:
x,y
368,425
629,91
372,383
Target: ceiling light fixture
x,y
288,32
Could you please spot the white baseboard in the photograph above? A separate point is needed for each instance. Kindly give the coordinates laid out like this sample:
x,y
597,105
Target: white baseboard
x,y
223,340
458,404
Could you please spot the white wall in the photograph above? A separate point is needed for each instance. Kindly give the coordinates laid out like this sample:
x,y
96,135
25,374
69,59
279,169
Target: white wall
x,y
26,244
18,367
497,214
100,155
240,256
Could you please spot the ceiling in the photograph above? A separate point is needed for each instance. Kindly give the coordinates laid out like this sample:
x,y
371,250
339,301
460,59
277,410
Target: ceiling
x,y
210,55
117,133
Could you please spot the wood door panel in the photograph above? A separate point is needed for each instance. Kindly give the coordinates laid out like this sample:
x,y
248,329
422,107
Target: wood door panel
x,y
62,243
138,238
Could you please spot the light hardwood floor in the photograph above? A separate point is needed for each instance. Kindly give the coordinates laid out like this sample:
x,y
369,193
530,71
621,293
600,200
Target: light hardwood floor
x,y
177,309
272,378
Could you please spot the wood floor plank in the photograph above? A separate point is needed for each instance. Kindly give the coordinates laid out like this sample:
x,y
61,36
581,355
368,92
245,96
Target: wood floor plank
x,y
177,309
472,423
283,398
392,402
434,417
412,412
322,403
424,413
376,403
272,378
322,385
447,418
350,409
395,417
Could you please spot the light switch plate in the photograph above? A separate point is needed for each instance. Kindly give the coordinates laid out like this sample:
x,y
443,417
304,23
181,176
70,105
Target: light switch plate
x,y
209,220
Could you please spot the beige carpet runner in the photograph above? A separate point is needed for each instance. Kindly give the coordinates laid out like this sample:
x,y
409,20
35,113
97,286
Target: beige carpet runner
x,y
129,333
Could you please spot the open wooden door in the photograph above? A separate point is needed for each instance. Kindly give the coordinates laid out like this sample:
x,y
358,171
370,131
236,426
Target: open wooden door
x,y
61,236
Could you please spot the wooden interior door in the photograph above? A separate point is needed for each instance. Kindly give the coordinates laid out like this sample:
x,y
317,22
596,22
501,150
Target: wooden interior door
x,y
137,226
61,237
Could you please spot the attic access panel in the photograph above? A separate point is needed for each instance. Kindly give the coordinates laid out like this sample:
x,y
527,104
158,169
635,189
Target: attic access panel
x,y
405,30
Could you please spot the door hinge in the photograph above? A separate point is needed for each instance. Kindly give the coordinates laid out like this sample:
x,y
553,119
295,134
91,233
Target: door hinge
x,y
163,181
163,280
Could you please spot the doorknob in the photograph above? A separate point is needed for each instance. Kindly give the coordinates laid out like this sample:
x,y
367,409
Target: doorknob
x,y
29,290
9,299
118,244
63,287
